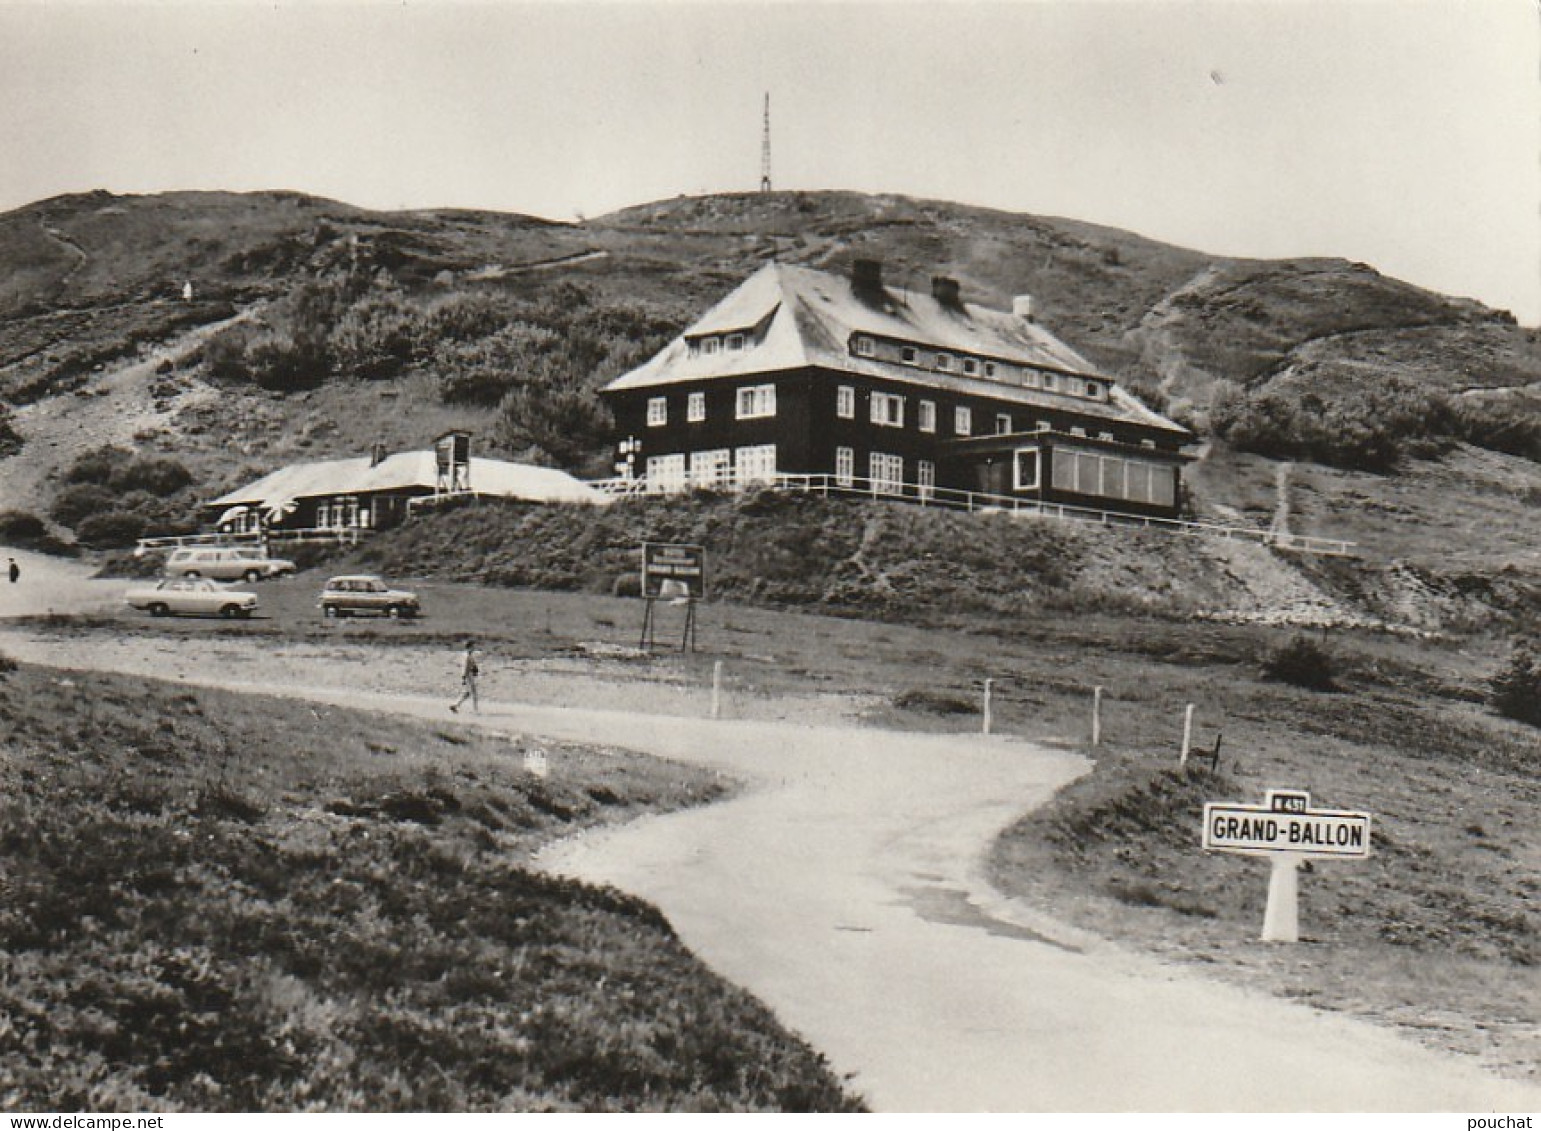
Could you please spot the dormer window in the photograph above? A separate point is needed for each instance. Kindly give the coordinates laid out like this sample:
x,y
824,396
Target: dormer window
x,y
865,346
989,369
735,341
907,355
710,345
970,366
1030,378
944,362
1050,382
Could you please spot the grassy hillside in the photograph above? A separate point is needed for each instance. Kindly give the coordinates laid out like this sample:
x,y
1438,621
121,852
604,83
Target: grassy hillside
x,y
220,902
318,329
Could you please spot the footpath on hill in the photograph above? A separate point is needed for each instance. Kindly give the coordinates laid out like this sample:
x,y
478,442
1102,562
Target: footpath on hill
x,y
844,887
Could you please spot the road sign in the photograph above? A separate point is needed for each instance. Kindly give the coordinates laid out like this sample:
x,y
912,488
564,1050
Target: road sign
x,y
1286,829
673,570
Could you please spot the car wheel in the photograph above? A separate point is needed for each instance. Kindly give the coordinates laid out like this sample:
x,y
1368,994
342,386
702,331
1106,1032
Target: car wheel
x,y
329,611
191,573
228,611
158,610
394,612
245,614
252,575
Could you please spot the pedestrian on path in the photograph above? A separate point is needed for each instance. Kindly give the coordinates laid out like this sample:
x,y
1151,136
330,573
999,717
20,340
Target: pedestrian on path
x,y
470,669
15,572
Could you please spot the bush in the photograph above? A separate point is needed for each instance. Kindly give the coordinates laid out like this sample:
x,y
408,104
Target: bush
x,y
97,466
1516,690
19,528
113,530
155,475
1302,663
81,501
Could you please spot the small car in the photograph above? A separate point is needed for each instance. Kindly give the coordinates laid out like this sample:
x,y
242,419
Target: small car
x,y
191,595
366,593
226,563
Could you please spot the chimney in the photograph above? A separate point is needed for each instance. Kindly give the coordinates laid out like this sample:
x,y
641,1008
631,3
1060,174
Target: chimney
x,y
1022,307
377,454
867,280
946,292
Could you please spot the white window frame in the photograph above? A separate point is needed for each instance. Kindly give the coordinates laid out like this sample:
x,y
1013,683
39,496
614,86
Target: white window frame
x,y
710,345
712,468
755,464
989,369
963,420
865,346
909,355
695,407
657,411
886,473
666,473
925,478
845,402
755,402
735,342
925,416
970,366
944,362
887,410
1002,423
845,466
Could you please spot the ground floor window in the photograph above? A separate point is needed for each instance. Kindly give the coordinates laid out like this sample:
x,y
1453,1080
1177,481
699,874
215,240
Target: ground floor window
x,y
712,469
1126,478
925,478
886,472
845,466
755,464
1026,478
666,473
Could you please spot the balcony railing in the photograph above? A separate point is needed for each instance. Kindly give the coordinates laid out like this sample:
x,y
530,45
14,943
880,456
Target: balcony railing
x,y
978,502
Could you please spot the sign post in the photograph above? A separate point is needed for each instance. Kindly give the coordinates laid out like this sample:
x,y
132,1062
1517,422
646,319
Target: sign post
x,y
677,574
1286,830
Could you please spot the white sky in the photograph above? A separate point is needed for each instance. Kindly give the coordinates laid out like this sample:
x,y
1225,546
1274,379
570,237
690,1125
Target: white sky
x,y
1403,134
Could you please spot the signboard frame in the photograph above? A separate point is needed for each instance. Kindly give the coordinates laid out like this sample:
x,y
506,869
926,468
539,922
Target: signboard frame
x,y
682,562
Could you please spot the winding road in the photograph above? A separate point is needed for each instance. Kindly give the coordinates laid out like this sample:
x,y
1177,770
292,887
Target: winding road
x,y
842,886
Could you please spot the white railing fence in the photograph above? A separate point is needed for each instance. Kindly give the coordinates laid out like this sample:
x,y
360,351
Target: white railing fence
x,y
976,502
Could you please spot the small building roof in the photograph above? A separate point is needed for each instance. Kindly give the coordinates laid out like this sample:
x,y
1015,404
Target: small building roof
x,y
405,471
802,318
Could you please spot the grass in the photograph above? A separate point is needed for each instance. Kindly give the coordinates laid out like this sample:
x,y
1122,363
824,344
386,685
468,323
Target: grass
x,y
218,902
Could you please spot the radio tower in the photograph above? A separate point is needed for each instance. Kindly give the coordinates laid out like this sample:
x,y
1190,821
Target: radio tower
x,y
765,177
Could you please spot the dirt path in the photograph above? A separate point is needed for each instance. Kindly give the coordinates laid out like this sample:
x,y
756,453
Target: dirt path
x,y
843,888
119,404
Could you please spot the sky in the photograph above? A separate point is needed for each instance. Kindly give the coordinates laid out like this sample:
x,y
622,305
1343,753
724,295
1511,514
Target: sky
x,y
1399,133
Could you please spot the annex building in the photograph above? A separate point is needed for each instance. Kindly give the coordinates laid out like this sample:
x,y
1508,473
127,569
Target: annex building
x,y
800,372
376,491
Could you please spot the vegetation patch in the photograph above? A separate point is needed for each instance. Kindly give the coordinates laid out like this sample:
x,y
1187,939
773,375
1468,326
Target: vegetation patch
x,y
216,902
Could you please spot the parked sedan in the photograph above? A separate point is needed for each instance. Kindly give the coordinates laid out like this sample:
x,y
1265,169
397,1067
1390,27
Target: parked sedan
x,y
366,593
191,595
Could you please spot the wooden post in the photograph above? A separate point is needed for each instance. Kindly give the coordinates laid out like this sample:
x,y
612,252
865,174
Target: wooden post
x,y
989,694
1187,734
1096,716
717,689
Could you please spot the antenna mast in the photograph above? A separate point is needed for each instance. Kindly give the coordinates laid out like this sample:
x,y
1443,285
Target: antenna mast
x,y
765,172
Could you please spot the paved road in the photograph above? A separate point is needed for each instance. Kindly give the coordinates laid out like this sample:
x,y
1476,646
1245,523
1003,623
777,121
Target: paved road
x,y
842,887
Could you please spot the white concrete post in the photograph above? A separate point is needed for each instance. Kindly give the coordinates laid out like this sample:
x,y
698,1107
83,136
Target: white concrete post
x,y
717,689
1096,716
1281,918
1187,734
989,695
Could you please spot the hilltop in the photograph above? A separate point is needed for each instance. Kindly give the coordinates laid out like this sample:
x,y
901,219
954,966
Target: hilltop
x,y
1331,399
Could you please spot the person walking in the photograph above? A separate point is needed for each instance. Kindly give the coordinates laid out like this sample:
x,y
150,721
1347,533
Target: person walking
x,y
15,572
469,671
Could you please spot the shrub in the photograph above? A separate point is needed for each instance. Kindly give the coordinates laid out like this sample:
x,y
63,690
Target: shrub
x,y
112,530
155,475
10,440
97,465
1302,663
1516,690
19,528
80,501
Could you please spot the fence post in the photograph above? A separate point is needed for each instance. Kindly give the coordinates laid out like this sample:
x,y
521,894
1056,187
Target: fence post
x,y
989,696
717,689
1096,716
1187,734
